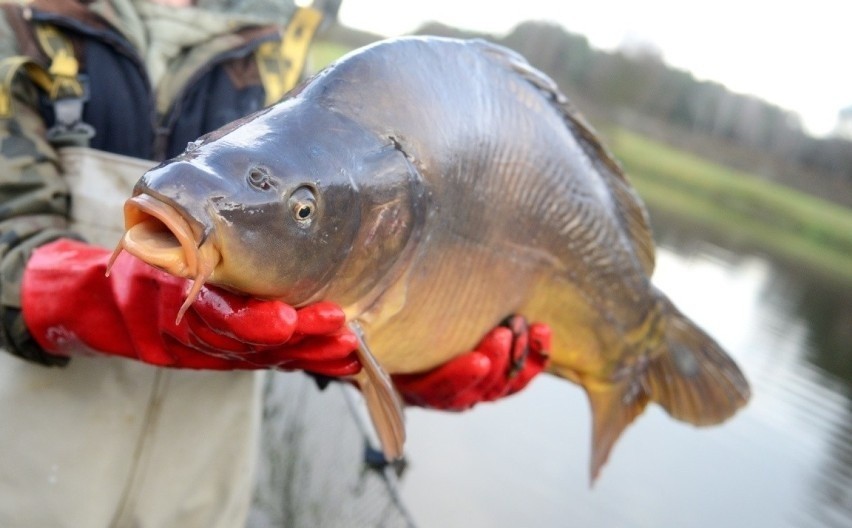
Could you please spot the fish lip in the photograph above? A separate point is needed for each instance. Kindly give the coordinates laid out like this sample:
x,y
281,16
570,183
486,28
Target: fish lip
x,y
142,208
193,257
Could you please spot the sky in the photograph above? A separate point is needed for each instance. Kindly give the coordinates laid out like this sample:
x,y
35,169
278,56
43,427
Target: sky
x,y
797,55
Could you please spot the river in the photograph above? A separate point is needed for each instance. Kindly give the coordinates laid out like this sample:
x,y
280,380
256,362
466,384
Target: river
x,y
783,461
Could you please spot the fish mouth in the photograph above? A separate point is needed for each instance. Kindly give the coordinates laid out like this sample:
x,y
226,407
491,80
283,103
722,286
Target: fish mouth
x,y
158,234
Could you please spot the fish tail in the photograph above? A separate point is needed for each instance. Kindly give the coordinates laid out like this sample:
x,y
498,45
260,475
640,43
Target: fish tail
x,y
693,379
690,376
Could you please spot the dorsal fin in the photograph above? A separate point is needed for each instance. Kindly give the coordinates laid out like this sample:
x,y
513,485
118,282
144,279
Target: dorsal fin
x,y
631,211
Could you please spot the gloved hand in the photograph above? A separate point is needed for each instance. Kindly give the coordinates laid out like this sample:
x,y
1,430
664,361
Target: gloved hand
x,y
503,363
70,307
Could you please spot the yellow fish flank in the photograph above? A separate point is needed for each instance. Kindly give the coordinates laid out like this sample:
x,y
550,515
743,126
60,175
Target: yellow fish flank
x,y
433,187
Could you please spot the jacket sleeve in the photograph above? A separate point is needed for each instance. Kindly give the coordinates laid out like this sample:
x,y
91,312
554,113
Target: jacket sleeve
x,y
34,205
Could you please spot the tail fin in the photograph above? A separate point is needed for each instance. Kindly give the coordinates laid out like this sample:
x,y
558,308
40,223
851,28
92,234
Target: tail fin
x,y
692,378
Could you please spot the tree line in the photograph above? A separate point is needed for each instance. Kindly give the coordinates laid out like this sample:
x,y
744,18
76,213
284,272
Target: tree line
x,y
637,89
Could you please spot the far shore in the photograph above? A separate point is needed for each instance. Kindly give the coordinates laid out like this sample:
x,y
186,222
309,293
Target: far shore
x,y
772,218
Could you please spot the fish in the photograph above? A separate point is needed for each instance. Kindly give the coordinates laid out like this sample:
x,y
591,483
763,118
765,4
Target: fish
x,y
432,187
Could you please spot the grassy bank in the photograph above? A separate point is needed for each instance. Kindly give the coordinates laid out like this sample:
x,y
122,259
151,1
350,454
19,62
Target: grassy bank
x,y
773,218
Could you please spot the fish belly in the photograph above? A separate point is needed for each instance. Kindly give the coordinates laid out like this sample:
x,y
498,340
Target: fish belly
x,y
451,298
583,340
448,301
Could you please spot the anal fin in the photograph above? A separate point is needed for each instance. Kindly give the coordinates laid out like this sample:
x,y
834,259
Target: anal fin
x,y
614,407
383,402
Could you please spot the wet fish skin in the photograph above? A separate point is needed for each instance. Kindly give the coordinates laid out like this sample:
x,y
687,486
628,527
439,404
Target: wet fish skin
x,y
454,185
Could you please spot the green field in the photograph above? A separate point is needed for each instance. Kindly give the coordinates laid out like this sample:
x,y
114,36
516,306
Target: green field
x,y
773,218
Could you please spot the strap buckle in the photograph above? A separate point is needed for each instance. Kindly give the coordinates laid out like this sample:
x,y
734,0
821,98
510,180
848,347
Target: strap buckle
x,y
69,128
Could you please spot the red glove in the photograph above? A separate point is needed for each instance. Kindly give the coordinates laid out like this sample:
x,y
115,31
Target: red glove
x,y
503,363
71,307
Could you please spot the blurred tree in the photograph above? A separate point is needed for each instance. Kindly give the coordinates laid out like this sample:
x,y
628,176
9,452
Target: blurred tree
x,y
635,80
843,129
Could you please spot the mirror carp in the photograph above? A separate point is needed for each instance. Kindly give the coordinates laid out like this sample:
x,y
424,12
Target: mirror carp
x,y
432,187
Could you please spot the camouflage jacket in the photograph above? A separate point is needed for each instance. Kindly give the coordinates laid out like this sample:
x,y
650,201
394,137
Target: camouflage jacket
x,y
215,82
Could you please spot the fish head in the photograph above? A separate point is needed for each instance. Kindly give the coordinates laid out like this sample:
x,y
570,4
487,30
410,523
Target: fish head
x,y
295,203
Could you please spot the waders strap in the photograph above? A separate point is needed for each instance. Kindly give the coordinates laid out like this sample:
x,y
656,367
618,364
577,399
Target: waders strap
x,y
280,63
61,81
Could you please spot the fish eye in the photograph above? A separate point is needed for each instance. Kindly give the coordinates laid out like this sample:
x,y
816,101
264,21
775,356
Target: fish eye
x,y
303,204
259,179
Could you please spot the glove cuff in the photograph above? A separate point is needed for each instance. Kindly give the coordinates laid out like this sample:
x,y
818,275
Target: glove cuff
x,y
63,295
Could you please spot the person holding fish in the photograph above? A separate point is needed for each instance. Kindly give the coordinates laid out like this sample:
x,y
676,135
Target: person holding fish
x,y
149,422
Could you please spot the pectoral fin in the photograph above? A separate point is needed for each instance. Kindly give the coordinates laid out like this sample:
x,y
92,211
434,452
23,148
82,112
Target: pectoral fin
x,y
383,402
